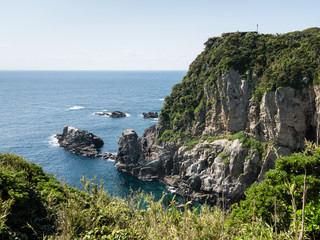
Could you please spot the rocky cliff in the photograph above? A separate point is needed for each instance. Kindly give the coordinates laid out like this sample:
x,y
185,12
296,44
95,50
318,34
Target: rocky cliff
x,y
245,100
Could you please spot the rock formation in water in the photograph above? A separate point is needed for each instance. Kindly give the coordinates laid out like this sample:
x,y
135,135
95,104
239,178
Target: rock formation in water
x,y
245,100
80,142
150,115
115,114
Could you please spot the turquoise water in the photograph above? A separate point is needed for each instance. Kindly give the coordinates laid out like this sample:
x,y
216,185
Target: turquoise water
x,y
35,105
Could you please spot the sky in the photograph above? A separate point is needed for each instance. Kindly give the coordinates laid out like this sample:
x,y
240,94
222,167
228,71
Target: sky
x,y
133,34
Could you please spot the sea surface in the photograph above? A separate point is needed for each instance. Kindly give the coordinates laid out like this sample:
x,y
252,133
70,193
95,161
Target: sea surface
x,y
36,105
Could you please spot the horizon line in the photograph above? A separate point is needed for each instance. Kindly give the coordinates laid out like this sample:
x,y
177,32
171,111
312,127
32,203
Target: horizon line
x,y
94,70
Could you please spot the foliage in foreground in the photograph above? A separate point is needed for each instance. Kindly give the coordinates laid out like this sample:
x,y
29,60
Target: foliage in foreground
x,y
33,205
278,200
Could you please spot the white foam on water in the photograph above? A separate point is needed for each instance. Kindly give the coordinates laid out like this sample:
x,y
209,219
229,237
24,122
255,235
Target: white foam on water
x,y
161,99
172,189
53,141
128,115
76,107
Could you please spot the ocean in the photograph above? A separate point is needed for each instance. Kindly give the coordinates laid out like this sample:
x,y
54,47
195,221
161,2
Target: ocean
x,y
36,105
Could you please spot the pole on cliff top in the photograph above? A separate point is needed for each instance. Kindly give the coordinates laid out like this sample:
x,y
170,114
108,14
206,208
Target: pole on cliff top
x,y
257,28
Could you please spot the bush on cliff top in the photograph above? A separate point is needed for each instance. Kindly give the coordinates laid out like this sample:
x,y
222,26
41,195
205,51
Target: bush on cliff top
x,y
278,60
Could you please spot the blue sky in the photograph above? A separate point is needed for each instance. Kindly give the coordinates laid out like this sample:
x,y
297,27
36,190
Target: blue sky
x,y
133,34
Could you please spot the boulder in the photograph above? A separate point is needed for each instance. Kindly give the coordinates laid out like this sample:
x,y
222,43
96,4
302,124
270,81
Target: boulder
x,y
80,142
150,115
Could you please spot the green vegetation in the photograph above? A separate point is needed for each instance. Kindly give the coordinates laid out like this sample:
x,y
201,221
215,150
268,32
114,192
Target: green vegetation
x,y
190,142
249,143
282,195
33,205
225,157
290,59
242,136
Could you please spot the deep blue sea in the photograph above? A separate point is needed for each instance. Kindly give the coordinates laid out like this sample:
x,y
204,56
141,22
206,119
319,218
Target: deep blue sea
x,y
36,105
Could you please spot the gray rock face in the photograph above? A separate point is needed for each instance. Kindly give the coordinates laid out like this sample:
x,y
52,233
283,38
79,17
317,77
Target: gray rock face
x,y
80,142
285,117
132,160
198,172
129,150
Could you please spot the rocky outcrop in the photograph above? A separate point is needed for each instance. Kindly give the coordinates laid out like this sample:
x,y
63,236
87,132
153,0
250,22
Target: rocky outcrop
x,y
150,115
115,114
109,156
210,171
80,142
206,172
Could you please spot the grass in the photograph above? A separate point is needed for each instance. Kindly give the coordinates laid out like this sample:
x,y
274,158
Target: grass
x,y
94,214
225,157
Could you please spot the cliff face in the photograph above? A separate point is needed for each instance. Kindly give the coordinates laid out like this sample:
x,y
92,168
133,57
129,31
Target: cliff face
x,y
212,169
286,116
223,126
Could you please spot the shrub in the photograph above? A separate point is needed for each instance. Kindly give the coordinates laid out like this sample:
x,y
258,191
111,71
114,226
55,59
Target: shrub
x,y
282,192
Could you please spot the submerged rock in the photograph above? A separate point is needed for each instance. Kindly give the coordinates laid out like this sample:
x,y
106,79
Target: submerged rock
x,y
80,142
102,113
150,115
115,114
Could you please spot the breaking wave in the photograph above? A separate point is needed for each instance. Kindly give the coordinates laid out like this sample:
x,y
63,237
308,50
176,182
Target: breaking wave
x,y
53,141
76,107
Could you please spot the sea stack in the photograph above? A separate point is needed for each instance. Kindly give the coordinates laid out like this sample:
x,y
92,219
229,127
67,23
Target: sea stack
x,y
80,142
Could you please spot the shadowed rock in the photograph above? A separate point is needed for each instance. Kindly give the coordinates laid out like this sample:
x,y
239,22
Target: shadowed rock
x,y
80,142
150,115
